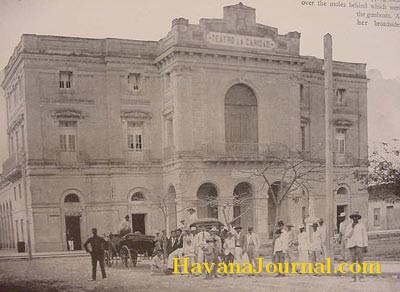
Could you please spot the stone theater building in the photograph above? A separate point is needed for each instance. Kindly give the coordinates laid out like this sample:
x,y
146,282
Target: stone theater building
x,y
101,128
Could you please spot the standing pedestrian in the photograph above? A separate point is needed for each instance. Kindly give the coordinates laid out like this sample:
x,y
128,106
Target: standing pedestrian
x,y
229,248
316,244
357,241
324,239
200,243
342,238
279,251
239,244
211,255
71,243
98,245
304,245
252,245
291,238
188,246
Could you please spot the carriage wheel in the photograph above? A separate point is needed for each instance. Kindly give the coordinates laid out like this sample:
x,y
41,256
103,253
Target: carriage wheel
x,y
107,258
126,256
134,258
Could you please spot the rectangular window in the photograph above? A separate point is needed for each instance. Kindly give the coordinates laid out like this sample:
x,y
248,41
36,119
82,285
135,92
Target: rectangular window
x,y
63,142
131,144
303,138
68,143
377,216
19,191
67,124
135,136
301,93
65,79
133,81
71,143
68,136
138,139
341,141
340,96
17,229
15,193
22,230
169,132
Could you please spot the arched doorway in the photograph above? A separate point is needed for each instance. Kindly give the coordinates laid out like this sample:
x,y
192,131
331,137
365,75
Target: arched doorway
x,y
243,205
207,204
342,204
171,208
241,121
72,209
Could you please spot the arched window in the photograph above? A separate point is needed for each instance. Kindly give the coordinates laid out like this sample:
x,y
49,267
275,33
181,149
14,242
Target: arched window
x,y
138,196
342,191
241,126
243,205
71,198
207,201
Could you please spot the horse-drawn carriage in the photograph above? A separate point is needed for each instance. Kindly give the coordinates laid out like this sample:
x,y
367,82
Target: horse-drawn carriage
x,y
127,248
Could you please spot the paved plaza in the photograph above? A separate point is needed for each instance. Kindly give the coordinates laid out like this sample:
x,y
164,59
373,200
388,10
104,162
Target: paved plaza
x,y
73,273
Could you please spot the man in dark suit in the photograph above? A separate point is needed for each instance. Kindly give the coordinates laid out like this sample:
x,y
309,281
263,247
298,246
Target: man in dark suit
x,y
179,239
97,244
171,242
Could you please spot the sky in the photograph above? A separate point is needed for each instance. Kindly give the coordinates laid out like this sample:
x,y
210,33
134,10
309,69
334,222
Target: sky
x,y
151,20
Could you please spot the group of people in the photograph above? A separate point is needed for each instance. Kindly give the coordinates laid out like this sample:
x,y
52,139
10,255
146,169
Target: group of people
x,y
313,247
199,245
233,245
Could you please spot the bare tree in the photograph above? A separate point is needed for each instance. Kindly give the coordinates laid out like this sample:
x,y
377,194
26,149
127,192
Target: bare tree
x,y
295,171
167,206
243,200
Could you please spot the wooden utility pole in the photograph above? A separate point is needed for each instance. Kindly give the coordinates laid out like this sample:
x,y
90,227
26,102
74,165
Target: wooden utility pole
x,y
328,141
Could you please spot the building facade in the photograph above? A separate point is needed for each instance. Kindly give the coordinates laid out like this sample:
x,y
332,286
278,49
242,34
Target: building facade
x,y
383,208
101,128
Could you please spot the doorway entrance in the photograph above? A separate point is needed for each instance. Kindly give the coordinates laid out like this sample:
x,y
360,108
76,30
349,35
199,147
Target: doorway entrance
x,y
340,209
73,231
138,223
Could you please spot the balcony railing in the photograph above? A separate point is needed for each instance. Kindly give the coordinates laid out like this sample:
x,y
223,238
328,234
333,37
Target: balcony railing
x,y
254,151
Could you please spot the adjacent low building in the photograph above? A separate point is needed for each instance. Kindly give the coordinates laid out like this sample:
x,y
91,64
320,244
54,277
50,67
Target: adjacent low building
x,y
384,207
101,128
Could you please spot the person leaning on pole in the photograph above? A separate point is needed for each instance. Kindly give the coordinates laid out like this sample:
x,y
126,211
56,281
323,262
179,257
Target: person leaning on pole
x,y
357,240
98,245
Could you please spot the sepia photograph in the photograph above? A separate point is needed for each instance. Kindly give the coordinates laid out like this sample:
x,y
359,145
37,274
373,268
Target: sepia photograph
x,y
189,145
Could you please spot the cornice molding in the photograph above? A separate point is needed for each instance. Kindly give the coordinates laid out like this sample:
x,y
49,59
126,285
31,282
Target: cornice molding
x,y
68,114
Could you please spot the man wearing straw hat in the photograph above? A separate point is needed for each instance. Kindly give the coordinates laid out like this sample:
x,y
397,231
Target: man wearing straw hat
x,y
357,240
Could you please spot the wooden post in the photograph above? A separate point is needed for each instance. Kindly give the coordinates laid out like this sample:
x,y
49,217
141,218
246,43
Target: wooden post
x,y
329,142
